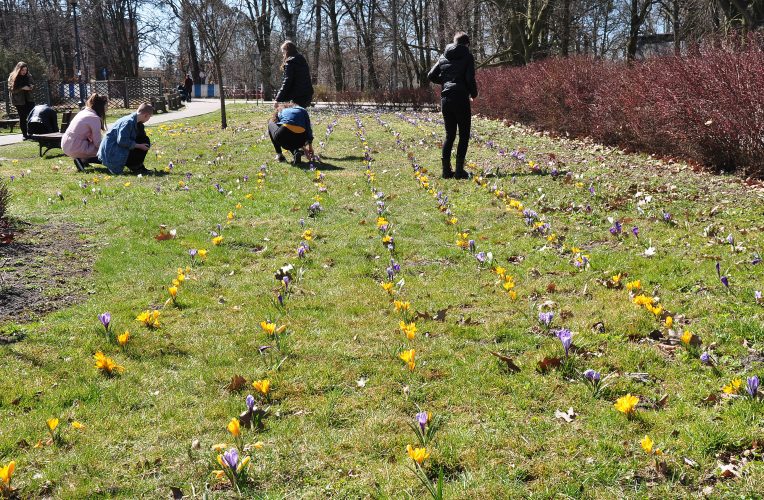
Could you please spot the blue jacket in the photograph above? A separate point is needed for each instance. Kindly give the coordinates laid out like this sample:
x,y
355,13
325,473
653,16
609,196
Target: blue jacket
x,y
117,143
297,116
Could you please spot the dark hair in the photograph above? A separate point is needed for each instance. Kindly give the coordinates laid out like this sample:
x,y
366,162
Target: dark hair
x,y
98,104
461,38
289,49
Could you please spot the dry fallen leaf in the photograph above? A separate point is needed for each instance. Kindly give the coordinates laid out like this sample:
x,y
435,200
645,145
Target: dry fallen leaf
x,y
236,384
511,366
548,363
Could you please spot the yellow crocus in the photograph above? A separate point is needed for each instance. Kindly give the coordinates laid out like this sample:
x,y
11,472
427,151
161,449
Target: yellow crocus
x,y
669,322
249,196
687,337
381,221
106,364
387,239
173,291
409,329
52,424
388,287
202,253
733,387
78,425
6,473
626,404
647,444
219,447
634,285
512,294
217,240
409,357
500,271
268,328
418,455
307,235
124,338
262,386
234,427
238,206
401,305
230,216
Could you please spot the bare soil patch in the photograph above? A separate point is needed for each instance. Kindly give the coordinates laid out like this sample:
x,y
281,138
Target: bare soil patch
x,y
42,269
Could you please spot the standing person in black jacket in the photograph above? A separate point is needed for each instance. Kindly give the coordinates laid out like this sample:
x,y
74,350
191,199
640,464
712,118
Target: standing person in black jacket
x,y
296,85
455,71
20,86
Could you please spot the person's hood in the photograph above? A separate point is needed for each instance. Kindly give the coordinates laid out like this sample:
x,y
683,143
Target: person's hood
x,y
455,51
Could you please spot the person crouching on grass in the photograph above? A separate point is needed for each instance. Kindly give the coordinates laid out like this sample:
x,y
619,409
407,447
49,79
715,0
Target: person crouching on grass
x,y
83,135
290,129
126,142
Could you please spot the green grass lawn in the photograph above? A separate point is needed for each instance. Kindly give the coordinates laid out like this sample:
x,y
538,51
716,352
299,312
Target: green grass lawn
x,y
341,400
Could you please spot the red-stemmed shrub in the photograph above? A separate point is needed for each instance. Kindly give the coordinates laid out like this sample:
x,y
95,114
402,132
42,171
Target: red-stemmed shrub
x,y
707,107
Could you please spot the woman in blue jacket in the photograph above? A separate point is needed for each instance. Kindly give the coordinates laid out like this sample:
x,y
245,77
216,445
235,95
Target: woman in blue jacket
x,y
126,142
290,129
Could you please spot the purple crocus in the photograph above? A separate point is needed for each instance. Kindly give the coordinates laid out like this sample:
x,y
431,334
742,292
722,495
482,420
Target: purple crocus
x,y
286,280
105,319
566,337
481,257
592,376
545,318
616,229
280,298
718,270
757,295
301,251
635,231
591,190
666,217
192,252
472,245
706,359
250,401
302,222
752,386
231,458
725,281
421,419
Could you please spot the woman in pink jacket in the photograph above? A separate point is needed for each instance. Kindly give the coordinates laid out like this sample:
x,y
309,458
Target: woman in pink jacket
x,y
83,135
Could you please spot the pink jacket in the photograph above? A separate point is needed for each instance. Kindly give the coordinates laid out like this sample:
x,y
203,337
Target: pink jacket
x,y
83,135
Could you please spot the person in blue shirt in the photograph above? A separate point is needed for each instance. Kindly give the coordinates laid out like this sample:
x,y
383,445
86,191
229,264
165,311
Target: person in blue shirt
x,y
126,142
289,128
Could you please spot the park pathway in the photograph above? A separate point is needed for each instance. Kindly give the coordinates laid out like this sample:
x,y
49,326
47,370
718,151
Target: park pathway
x,y
194,108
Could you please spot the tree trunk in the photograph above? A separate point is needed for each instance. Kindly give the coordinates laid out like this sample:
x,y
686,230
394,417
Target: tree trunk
x,y
317,43
223,117
565,38
193,56
339,83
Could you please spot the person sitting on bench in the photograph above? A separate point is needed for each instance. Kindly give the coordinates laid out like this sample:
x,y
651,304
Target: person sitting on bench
x,y
290,128
83,136
42,120
126,142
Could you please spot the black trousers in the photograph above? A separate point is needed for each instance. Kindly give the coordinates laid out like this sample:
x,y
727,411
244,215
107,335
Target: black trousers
x,y
282,137
136,157
456,115
23,111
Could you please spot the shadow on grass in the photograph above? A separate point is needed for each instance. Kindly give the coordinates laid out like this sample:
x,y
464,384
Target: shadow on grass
x,y
344,158
319,166
100,169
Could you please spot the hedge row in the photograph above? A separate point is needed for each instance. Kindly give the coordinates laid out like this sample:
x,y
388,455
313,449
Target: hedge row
x,y
708,107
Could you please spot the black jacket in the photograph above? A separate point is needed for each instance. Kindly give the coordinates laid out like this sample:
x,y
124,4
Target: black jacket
x,y
455,70
296,85
42,120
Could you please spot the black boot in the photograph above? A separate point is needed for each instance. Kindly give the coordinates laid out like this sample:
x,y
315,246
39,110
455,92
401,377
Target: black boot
x,y
447,172
460,172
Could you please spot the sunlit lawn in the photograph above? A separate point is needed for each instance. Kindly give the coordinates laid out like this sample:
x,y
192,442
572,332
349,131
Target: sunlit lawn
x,y
341,400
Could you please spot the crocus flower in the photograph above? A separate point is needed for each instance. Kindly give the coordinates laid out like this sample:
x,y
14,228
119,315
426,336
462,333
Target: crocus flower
x,y
666,217
234,427
262,386
705,358
592,376
250,401
123,338
418,455
422,418
545,318
192,252
106,365
6,473
757,296
481,257
635,231
626,404
471,244
566,338
231,458
752,386
725,281
105,319
718,270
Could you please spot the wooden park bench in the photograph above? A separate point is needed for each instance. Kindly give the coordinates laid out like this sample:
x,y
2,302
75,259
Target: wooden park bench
x,y
9,123
159,104
53,139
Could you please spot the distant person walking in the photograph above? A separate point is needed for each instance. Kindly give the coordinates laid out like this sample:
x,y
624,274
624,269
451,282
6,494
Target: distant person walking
x,y
83,135
188,85
20,86
126,142
295,85
455,71
290,128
